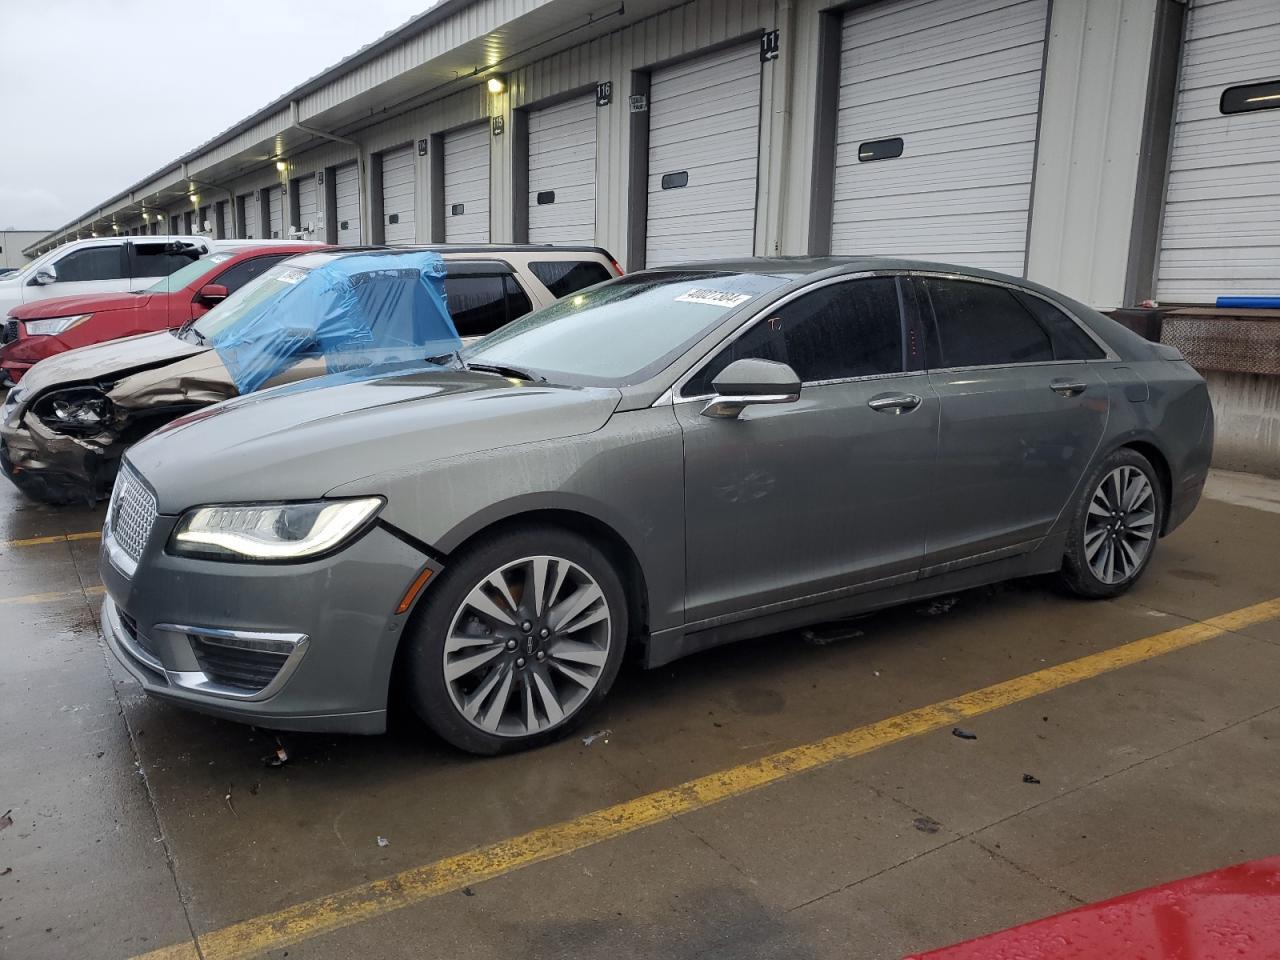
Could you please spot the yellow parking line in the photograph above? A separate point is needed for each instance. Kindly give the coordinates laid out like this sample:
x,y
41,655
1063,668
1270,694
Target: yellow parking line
x,y
54,595
56,538
291,925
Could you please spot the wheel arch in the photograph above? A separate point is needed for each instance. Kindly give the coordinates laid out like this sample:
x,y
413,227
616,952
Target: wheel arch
x,y
1158,459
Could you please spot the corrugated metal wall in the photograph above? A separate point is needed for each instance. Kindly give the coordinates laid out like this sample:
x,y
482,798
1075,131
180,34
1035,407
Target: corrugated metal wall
x,y
1083,195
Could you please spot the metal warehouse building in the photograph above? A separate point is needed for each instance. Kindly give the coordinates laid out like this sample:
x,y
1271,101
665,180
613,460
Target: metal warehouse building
x,y
1119,150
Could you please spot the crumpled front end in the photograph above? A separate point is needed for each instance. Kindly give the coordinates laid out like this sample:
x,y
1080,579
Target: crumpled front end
x,y
55,467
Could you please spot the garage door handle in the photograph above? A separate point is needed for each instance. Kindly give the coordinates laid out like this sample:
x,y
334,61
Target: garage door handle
x,y
1068,388
894,402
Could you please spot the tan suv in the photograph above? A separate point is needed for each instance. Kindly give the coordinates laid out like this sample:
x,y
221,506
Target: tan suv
x,y
63,429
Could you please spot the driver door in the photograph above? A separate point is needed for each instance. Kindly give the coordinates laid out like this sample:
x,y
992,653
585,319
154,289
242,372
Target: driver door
x,y
828,494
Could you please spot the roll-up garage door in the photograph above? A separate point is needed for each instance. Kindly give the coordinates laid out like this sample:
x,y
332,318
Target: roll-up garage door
x,y
202,219
222,228
466,185
397,196
704,145
275,211
562,172
308,209
936,138
346,187
249,209
1221,228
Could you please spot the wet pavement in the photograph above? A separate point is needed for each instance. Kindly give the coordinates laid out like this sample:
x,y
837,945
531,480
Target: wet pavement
x,y
135,824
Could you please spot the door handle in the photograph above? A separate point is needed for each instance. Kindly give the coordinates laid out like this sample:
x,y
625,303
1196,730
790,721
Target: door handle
x,y
1068,388
894,403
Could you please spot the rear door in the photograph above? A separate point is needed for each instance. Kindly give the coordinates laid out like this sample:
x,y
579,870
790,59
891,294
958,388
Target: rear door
x,y
798,502
1023,411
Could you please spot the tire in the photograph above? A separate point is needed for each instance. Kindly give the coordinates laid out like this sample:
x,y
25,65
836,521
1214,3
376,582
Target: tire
x,y
539,703
1121,523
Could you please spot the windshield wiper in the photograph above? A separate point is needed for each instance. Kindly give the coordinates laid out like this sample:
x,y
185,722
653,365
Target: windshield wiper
x,y
190,327
503,371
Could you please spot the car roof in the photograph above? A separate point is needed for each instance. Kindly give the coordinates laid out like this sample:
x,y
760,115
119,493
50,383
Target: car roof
x,y
492,251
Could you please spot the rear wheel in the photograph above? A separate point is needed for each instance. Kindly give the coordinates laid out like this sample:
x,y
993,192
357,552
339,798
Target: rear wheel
x,y
1115,527
522,636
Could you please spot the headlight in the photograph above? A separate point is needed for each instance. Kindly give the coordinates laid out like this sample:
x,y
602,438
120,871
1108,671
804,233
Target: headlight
x,y
12,412
270,531
54,325
77,410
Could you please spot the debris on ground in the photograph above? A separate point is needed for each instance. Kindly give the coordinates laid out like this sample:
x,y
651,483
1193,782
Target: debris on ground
x,y
384,842
963,734
6,871
6,820
468,892
598,735
926,824
254,789
937,606
277,759
829,633
231,806
1028,778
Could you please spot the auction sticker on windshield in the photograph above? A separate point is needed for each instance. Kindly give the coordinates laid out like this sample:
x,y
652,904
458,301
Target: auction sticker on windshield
x,y
714,298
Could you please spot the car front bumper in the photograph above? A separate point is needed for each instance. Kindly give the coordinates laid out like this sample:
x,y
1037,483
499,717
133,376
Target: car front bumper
x,y
79,468
306,646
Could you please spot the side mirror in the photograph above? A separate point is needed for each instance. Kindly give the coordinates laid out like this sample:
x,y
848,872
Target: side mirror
x,y
212,293
745,382
45,275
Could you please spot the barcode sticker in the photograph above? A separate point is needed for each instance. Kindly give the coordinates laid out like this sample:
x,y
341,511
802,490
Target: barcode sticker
x,y
713,298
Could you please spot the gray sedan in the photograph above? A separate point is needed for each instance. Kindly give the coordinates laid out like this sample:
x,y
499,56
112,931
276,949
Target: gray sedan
x,y
661,464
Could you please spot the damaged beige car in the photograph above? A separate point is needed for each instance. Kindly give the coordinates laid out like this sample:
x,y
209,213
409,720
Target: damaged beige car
x,y
65,426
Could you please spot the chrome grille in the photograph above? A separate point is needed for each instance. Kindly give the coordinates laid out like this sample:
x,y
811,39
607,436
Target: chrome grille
x,y
133,513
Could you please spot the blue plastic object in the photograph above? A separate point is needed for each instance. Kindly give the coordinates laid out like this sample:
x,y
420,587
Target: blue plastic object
x,y
354,312
1250,303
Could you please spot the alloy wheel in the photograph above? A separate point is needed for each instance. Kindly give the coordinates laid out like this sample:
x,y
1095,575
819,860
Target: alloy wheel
x,y
527,646
1120,525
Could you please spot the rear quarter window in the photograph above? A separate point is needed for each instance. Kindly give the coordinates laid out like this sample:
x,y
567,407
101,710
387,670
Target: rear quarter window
x,y
563,277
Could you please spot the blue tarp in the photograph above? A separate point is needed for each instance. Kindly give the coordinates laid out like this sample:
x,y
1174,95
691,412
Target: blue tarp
x,y
355,312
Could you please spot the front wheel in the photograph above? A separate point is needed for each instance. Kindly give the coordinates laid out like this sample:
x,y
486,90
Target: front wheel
x,y
1115,527
522,636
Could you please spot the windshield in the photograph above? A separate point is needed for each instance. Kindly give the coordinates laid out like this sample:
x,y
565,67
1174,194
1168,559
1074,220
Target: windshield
x,y
619,332
192,271
265,287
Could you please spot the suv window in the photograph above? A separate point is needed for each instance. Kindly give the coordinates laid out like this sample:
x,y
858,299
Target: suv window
x,y
1069,341
481,304
843,330
92,263
233,278
563,277
980,324
150,260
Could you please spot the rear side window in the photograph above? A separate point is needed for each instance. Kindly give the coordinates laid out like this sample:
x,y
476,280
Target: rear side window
x,y
843,330
92,263
980,324
1069,341
150,260
563,277
481,304
233,278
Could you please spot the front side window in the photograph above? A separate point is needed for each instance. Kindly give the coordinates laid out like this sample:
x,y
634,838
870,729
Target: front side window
x,y
563,277
840,331
233,278
478,305
980,324
91,263
188,270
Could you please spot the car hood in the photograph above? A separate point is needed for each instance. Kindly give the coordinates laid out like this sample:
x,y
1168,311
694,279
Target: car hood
x,y
107,361
297,444
85,303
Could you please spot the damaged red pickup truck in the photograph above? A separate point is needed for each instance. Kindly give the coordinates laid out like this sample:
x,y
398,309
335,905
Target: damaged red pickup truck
x,y
44,328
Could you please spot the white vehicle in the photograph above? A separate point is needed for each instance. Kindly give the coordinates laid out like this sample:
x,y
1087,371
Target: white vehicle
x,y
107,265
